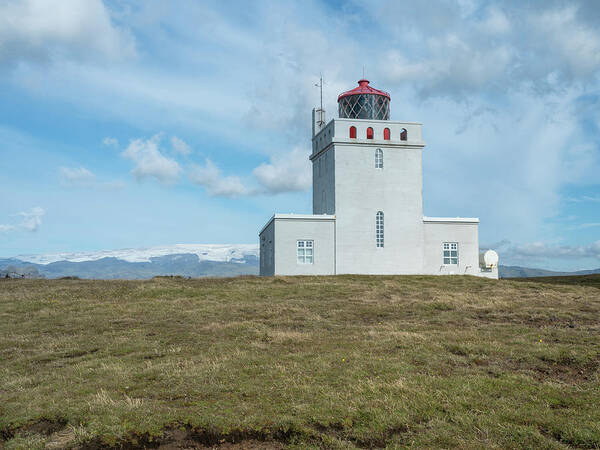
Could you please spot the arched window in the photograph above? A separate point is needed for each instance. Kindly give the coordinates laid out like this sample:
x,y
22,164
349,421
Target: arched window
x,y
403,134
369,133
353,132
379,229
379,159
386,134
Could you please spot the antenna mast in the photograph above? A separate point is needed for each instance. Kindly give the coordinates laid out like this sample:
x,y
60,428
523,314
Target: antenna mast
x,y
320,86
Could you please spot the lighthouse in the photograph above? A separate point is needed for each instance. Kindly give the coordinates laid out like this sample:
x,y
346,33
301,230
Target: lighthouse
x,y
367,213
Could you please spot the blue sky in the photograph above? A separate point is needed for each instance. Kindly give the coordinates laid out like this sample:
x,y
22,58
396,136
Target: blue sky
x,y
141,123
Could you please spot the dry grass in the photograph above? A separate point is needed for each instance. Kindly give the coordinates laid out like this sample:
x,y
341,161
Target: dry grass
x,y
336,362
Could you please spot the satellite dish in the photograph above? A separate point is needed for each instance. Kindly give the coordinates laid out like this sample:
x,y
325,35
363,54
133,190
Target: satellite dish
x,y
488,259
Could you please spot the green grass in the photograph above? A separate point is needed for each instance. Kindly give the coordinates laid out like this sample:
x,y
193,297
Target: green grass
x,y
334,362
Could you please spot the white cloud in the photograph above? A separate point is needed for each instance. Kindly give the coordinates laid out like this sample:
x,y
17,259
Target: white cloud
x,y
110,142
456,66
576,44
51,30
180,147
533,253
583,226
215,183
543,250
496,22
541,45
82,177
150,162
286,172
585,198
75,176
30,221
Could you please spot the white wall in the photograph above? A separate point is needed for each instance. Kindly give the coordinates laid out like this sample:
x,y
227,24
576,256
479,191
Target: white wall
x,y
319,229
266,241
338,131
467,236
324,182
361,190
342,127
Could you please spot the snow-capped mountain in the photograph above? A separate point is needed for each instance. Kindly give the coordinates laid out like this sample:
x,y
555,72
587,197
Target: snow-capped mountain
x,y
193,260
205,252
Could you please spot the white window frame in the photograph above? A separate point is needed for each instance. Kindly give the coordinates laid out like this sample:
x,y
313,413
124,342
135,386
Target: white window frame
x,y
379,159
379,229
450,253
305,251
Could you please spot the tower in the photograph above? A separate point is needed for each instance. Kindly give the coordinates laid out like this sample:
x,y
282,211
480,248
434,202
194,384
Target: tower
x,y
367,171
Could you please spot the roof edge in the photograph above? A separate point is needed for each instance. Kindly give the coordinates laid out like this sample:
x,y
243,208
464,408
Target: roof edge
x,y
451,219
291,216
363,88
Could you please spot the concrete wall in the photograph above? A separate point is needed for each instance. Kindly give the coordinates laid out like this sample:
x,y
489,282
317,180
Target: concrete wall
x,y
319,229
324,182
338,131
267,249
489,273
342,130
361,191
467,236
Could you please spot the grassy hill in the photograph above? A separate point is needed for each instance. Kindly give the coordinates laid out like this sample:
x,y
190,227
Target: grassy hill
x,y
333,362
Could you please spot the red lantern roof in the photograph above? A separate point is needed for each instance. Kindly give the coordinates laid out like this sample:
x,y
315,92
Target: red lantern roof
x,y
363,88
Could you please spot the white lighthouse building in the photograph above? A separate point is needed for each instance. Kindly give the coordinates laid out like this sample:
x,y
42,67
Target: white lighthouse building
x,y
368,204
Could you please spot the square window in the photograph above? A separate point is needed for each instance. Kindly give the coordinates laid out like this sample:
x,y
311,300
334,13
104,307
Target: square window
x,y
304,252
450,253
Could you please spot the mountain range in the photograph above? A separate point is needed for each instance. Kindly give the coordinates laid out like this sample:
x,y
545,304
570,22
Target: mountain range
x,y
189,260
527,272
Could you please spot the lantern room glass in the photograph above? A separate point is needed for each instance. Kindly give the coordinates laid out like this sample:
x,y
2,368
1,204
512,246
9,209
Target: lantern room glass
x,y
364,106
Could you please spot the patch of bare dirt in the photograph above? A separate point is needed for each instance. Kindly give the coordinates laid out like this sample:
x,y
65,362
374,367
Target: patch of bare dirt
x,y
194,438
340,432
188,439
44,426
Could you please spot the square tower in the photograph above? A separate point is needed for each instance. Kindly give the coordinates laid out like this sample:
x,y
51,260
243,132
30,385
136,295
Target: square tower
x,y
368,173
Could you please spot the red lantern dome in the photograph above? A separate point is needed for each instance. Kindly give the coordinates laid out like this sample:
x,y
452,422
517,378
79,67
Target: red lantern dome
x,y
364,102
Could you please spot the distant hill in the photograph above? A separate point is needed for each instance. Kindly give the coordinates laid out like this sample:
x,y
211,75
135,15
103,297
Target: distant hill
x,y
526,272
185,260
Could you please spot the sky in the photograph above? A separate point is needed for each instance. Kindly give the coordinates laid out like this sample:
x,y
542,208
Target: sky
x,y
129,124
